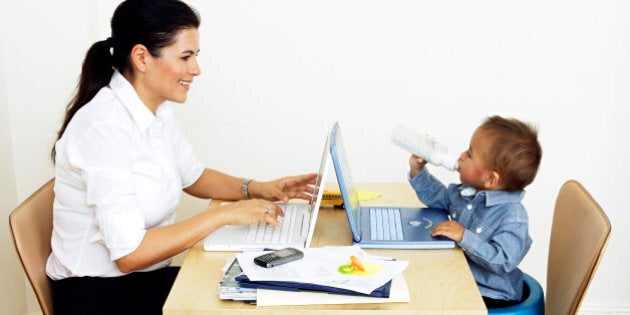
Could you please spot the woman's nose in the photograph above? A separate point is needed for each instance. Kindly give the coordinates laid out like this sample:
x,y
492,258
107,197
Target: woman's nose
x,y
195,68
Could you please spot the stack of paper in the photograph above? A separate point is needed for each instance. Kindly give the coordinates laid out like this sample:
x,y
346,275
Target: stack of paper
x,y
230,289
328,269
398,293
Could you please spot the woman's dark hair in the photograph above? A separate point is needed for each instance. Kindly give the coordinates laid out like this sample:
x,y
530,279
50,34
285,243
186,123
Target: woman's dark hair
x,y
152,23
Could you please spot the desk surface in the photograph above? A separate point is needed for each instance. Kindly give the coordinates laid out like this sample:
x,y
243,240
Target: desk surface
x,y
439,281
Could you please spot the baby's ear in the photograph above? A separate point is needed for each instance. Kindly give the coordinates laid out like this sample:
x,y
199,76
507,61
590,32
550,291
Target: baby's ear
x,y
493,181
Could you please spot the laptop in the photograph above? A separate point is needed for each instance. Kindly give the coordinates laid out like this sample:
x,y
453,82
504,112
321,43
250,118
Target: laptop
x,y
384,227
298,224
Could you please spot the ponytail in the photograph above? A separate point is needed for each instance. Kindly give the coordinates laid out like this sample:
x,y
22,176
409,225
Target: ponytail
x,y
96,72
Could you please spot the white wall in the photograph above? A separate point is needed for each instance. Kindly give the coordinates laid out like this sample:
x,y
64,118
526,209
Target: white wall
x,y
12,299
276,74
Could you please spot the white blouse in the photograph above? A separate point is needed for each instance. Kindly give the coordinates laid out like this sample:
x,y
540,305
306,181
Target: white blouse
x,y
119,171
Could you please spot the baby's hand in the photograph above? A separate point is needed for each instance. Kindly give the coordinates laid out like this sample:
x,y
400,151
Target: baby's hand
x,y
450,229
416,164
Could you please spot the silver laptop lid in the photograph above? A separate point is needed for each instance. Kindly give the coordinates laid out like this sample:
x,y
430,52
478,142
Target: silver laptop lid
x,y
318,193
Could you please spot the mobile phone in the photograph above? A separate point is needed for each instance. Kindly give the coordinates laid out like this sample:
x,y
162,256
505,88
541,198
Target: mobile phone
x,y
278,257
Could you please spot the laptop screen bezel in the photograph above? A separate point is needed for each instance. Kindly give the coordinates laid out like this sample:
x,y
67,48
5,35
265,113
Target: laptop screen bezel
x,y
318,192
346,185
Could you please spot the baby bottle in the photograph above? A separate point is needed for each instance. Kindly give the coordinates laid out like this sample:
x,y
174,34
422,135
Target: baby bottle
x,y
425,147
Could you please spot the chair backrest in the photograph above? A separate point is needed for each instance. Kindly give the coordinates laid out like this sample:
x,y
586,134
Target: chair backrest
x,y
31,228
579,235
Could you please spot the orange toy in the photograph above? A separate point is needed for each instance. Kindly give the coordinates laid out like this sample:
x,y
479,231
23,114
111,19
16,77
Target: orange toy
x,y
356,263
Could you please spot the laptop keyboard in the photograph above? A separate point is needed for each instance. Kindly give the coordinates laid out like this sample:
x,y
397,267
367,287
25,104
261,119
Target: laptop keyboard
x,y
385,224
264,233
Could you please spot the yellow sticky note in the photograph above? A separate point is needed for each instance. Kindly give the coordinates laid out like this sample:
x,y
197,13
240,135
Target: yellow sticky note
x,y
370,270
366,195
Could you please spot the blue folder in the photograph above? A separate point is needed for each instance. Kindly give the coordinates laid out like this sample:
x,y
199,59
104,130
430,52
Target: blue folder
x,y
244,281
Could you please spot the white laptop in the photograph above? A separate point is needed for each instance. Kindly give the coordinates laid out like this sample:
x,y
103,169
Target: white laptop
x,y
384,227
298,224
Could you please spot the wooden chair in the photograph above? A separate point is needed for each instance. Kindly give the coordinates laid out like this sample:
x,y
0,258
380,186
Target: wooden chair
x,y
31,229
579,234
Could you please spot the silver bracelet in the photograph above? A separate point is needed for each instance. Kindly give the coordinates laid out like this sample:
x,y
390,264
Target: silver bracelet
x,y
245,188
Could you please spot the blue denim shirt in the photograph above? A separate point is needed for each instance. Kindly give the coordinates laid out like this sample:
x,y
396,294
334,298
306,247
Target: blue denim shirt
x,y
496,234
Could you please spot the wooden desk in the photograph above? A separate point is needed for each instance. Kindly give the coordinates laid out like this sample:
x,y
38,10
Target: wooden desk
x,y
440,281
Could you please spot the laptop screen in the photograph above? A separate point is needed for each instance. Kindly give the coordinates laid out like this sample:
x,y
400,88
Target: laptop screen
x,y
346,185
318,192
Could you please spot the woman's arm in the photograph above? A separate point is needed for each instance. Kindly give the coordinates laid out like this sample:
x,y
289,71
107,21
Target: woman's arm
x,y
164,242
216,185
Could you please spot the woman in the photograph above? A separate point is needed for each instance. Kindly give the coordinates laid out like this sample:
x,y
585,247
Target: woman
x,y
121,163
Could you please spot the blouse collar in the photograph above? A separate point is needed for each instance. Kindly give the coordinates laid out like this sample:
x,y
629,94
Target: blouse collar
x,y
131,100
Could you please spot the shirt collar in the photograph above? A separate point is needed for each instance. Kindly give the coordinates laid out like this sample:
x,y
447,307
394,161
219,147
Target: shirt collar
x,y
131,100
494,197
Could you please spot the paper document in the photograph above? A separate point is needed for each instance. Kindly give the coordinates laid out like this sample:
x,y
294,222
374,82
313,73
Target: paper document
x,y
399,293
329,266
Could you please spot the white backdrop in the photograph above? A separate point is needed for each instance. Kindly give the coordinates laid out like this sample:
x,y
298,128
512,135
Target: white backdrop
x,y
276,74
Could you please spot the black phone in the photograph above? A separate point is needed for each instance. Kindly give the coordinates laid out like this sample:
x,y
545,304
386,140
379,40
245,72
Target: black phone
x,y
278,257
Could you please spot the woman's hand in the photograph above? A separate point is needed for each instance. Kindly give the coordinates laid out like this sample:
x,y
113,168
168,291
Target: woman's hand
x,y
283,189
250,211
416,164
